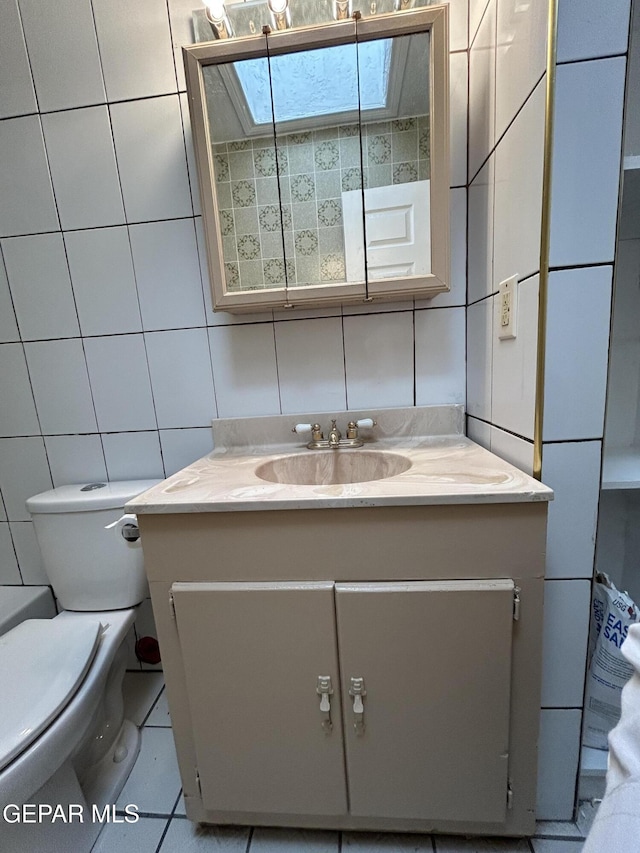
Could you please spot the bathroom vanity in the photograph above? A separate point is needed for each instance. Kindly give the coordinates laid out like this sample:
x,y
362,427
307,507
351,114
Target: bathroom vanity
x,y
352,655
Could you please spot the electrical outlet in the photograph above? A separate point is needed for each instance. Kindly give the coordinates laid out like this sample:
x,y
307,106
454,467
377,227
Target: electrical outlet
x,y
507,308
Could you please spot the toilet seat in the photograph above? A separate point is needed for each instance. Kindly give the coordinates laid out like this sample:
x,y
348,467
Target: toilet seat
x,y
42,664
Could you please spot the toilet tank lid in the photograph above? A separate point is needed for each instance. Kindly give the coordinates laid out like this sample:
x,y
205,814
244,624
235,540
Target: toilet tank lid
x,y
87,497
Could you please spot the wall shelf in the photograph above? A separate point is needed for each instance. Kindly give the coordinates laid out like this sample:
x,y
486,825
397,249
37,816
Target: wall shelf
x,y
621,468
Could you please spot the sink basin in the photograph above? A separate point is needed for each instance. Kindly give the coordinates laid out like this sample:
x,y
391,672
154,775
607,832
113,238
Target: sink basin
x,y
333,467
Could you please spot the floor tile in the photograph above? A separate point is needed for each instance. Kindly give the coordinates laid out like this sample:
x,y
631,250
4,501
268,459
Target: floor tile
x,y
446,844
154,783
293,841
180,808
389,842
140,690
186,837
159,716
554,845
143,836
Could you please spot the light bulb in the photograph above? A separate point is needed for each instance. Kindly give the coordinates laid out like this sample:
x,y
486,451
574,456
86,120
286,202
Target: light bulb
x,y
280,14
342,10
216,9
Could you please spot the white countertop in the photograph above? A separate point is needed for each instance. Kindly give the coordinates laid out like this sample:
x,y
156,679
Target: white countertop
x,y
445,469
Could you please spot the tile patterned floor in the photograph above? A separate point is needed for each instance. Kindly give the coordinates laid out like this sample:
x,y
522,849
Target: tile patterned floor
x,y
154,786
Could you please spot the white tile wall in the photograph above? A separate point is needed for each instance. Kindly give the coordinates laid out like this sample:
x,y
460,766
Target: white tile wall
x,y
181,34
572,470
479,431
24,178
479,358
40,286
558,755
458,88
458,24
180,368
477,9
458,237
191,157
585,33
66,75
564,648
515,450
440,356
521,57
578,312
24,471
120,383
75,459
103,280
9,572
514,366
584,199
8,324
17,96
482,91
167,271
379,360
518,192
480,237
135,48
18,412
133,455
60,384
28,553
154,186
309,383
244,370
180,447
76,166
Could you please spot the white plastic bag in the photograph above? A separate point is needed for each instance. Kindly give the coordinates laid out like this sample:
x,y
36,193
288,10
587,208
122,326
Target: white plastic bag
x,y
613,612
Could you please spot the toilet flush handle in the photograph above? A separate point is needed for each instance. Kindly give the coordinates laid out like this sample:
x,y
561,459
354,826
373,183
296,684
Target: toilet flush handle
x,y
127,525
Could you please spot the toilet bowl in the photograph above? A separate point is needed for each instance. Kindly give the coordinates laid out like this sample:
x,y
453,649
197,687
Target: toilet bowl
x,y
64,742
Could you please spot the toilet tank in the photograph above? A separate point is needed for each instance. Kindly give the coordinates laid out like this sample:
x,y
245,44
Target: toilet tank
x,y
90,566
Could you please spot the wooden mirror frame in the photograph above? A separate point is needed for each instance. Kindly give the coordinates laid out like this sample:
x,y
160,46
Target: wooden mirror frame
x,y
432,19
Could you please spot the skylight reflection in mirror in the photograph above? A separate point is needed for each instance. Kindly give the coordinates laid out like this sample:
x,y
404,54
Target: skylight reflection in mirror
x,y
316,83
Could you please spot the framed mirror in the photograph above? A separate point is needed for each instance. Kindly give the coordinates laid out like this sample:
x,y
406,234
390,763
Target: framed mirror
x,y
323,161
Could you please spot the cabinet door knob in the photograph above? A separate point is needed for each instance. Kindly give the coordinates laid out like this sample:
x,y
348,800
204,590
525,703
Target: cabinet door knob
x,y
357,690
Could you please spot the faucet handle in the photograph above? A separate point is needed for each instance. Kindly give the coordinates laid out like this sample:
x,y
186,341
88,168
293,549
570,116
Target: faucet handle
x,y
365,423
302,429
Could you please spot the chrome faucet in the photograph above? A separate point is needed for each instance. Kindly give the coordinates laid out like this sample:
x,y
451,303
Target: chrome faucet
x,y
335,439
334,436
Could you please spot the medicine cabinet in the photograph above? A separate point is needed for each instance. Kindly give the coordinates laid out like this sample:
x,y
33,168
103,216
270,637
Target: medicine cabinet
x,y
323,161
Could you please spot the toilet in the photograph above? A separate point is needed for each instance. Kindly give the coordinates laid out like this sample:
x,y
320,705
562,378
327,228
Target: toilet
x,y
63,737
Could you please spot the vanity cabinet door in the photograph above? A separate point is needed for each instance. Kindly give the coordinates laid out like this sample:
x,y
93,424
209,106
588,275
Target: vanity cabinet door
x,y
253,653
435,661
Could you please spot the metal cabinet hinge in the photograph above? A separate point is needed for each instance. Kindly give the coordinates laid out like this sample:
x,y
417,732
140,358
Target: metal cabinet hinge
x,y
516,603
509,795
172,607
